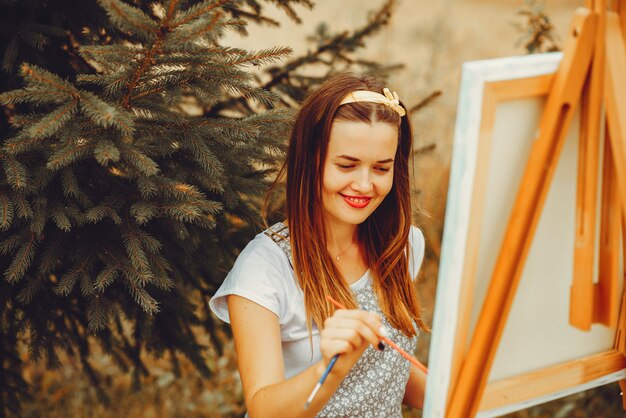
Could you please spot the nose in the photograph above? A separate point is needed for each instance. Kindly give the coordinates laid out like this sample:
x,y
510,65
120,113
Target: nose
x,y
362,183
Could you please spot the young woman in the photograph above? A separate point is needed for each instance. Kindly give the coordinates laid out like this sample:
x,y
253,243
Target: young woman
x,y
348,235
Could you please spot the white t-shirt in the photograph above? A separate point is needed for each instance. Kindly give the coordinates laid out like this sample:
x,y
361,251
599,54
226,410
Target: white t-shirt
x,y
262,273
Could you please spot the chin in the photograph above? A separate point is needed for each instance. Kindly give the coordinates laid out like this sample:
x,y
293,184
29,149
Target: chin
x,y
355,220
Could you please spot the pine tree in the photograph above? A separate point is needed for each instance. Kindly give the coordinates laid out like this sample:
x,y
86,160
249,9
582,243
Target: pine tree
x,y
135,148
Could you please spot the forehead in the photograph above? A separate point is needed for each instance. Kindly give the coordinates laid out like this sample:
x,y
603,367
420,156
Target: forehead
x,y
363,140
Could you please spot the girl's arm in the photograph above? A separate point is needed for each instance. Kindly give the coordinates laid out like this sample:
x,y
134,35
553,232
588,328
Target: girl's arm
x,y
259,355
415,389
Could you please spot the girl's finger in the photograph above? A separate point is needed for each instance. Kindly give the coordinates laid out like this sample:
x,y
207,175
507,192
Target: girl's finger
x,y
350,326
371,319
332,347
348,334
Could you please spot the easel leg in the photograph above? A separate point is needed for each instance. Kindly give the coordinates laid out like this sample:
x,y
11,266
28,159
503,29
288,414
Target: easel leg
x,y
582,296
615,100
606,291
620,343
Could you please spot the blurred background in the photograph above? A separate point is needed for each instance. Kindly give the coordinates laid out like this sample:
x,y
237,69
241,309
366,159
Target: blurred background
x,y
428,41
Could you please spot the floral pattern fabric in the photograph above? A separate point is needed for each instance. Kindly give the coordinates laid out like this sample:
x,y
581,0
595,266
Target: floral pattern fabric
x,y
375,385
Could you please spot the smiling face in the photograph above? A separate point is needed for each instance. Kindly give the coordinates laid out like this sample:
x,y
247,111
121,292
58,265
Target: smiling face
x,y
358,170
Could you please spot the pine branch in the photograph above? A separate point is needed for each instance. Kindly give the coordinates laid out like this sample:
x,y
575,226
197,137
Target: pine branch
x,y
129,19
378,20
24,211
147,93
143,212
41,179
52,254
171,8
114,85
107,208
180,191
69,183
143,66
32,94
61,220
260,57
202,31
15,172
105,114
256,18
144,165
290,11
143,298
207,159
332,44
40,217
69,279
196,11
425,102
86,285
22,260
74,150
106,152
6,212
109,54
53,122
147,187
106,277
97,313
40,77
33,286
25,119
162,279
10,54
20,144
135,251
151,244
11,243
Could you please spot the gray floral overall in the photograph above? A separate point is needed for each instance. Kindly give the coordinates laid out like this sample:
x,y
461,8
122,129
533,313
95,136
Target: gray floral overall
x,y
375,385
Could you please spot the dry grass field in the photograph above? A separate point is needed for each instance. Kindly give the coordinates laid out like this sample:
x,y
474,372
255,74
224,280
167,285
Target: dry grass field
x,y
431,39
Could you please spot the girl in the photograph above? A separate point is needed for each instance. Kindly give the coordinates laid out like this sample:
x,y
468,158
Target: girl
x,y
348,235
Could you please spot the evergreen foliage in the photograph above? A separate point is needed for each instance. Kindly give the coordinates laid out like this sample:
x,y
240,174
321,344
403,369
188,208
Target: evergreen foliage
x,y
134,149
538,31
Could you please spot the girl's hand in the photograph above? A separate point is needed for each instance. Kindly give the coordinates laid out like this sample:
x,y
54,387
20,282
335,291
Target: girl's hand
x,y
349,332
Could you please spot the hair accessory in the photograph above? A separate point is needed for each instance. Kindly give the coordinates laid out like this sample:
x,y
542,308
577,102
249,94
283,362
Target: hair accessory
x,y
388,98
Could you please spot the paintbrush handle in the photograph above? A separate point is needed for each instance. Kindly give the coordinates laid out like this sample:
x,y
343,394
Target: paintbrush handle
x,y
317,387
406,355
393,345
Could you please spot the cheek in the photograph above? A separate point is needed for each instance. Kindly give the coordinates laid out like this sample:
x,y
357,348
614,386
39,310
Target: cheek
x,y
333,180
385,185
386,188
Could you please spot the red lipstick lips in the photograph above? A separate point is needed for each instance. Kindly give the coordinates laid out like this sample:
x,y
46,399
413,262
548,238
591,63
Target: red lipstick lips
x,y
357,202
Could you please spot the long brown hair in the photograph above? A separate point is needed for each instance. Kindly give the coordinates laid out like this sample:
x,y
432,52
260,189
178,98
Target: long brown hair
x,y
383,236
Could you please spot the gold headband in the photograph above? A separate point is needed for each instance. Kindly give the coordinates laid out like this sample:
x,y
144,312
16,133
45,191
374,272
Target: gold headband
x,y
389,99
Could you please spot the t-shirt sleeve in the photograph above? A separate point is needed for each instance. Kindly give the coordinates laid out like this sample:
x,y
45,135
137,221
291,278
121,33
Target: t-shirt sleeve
x,y
258,275
416,251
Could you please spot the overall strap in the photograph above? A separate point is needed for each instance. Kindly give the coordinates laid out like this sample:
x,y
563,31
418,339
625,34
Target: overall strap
x,y
279,233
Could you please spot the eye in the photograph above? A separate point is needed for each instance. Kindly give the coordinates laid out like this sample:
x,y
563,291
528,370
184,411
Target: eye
x,y
383,169
345,166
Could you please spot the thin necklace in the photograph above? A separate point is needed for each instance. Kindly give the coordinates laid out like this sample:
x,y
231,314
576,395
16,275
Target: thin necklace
x,y
344,251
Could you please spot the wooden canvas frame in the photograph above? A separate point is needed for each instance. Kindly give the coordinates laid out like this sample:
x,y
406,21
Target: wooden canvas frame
x,y
484,85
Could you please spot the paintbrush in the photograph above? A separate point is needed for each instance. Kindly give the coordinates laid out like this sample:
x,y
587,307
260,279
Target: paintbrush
x,y
332,362
393,345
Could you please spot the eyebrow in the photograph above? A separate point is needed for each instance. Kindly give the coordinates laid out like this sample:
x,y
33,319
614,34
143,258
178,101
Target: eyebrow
x,y
347,157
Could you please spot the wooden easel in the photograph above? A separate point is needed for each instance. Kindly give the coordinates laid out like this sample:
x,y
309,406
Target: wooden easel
x,y
592,72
